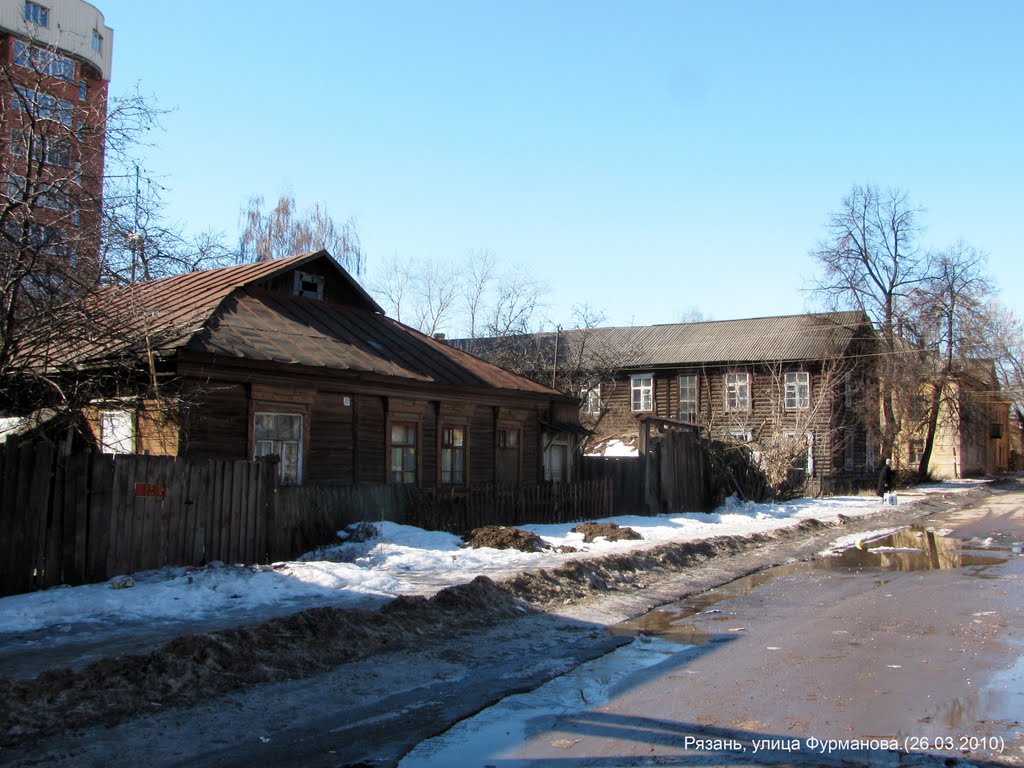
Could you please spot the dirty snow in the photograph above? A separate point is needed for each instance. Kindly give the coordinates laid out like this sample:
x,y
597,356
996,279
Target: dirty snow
x,y
400,560
495,734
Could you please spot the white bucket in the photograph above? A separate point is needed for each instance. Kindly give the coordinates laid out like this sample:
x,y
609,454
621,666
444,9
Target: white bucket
x,y
891,499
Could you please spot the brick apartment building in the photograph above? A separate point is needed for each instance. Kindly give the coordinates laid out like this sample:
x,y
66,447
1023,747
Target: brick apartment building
x,y
55,60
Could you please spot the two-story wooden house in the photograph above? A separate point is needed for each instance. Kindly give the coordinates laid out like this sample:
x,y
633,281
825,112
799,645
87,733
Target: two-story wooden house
x,y
796,388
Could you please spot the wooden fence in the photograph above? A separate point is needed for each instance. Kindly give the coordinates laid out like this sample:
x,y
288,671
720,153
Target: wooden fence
x,y
88,517
626,475
671,476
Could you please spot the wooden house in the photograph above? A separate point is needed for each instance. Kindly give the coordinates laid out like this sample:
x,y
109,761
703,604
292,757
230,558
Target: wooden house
x,y
293,358
796,389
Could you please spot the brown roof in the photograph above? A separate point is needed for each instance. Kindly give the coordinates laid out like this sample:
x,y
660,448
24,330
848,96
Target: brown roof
x,y
229,312
264,325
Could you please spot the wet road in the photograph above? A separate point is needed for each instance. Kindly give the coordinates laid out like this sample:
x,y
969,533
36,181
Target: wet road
x,y
914,642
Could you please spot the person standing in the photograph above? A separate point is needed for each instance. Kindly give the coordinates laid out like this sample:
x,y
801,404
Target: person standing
x,y
885,478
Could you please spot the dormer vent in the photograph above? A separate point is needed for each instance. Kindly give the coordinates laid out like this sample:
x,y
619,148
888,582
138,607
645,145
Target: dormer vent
x,y
309,286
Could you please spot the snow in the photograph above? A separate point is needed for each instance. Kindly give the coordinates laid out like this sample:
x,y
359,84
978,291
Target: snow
x,y
616,448
495,734
399,560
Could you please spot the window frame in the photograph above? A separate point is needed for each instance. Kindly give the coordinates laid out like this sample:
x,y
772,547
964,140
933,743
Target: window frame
x,y
37,14
733,388
915,450
282,469
97,41
559,445
591,400
402,475
42,106
695,400
43,61
450,451
797,390
117,446
637,390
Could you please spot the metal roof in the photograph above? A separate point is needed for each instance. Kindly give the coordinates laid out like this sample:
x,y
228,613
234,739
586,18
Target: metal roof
x,y
229,312
790,338
264,325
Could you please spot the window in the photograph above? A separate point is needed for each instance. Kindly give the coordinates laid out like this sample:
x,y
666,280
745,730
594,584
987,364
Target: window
x,y
642,392
83,90
508,457
37,14
43,61
915,449
310,286
41,106
403,453
591,397
453,456
688,403
97,41
798,391
556,459
741,435
737,391
117,432
280,434
19,190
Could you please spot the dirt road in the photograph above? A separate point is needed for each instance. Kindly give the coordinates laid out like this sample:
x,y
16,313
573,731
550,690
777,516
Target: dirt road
x,y
371,711
880,653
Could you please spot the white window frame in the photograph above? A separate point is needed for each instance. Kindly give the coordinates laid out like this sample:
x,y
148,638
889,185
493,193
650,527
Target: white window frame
x,y
273,447
737,391
402,475
641,394
741,435
797,390
591,400
692,412
44,62
37,14
97,41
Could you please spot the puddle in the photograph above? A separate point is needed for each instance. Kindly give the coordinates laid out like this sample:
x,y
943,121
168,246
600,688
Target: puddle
x,y
908,549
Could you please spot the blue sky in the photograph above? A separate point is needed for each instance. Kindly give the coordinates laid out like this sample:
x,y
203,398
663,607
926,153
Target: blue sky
x,y
644,157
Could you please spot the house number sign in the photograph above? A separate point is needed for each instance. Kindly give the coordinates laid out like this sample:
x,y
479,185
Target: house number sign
x,y
150,489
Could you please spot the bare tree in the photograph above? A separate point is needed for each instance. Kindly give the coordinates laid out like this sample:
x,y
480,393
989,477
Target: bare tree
x,y
392,284
283,231
479,274
871,260
518,303
692,315
1004,343
437,288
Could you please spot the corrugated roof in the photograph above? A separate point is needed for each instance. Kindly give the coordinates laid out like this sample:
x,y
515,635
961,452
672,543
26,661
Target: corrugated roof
x,y
793,338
